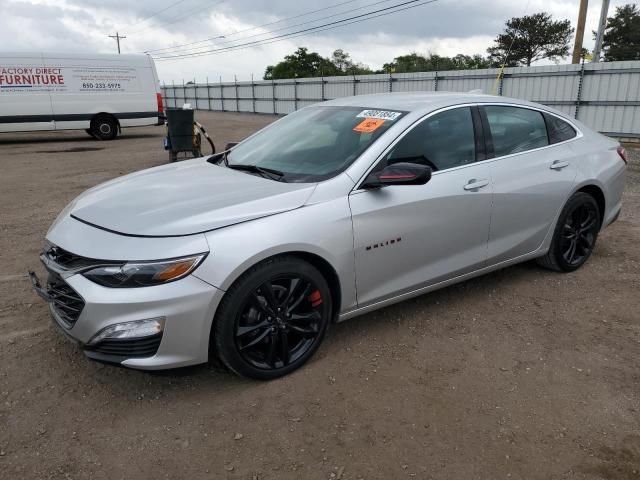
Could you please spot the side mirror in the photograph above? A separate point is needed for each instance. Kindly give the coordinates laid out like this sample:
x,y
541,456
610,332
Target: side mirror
x,y
230,145
399,174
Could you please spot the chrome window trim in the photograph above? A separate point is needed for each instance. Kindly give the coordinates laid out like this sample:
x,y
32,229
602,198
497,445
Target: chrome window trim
x,y
579,134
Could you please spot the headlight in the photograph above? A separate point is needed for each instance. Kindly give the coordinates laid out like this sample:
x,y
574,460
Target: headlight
x,y
144,274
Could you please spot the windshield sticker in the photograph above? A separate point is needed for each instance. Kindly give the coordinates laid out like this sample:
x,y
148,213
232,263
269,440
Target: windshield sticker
x,y
368,125
382,114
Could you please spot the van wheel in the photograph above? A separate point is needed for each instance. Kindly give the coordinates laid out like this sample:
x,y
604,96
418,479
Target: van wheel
x,y
104,127
89,132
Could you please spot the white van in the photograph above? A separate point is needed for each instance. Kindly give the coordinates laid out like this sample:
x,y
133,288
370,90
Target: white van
x,y
62,91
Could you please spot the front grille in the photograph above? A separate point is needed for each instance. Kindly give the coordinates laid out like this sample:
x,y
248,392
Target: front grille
x,y
65,301
128,348
67,260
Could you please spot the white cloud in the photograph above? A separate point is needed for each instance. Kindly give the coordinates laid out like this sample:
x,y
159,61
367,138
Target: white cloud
x,y
447,27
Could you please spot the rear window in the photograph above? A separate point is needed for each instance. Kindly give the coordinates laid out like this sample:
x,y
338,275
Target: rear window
x,y
559,130
516,129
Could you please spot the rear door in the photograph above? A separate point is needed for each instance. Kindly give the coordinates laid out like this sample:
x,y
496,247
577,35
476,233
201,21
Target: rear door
x,y
25,103
410,236
533,173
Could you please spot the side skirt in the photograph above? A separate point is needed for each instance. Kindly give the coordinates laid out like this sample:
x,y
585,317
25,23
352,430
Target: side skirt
x,y
436,286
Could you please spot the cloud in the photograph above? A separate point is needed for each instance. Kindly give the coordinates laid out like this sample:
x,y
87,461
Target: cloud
x,y
446,27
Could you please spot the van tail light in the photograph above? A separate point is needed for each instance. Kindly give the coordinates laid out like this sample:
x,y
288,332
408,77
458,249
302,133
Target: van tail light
x,y
623,153
160,105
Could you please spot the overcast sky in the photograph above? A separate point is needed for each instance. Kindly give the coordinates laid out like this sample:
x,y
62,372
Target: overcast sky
x,y
445,27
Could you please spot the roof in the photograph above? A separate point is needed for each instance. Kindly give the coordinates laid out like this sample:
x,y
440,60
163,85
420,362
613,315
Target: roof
x,y
421,101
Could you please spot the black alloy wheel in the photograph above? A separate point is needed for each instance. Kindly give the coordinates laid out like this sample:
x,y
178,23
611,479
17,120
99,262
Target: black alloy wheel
x,y
273,318
579,234
280,321
575,234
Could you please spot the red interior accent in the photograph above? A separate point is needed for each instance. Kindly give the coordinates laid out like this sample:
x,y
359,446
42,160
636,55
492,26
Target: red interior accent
x,y
160,105
395,177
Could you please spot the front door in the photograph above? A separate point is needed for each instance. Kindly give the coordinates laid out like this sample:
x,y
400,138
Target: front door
x,y
410,236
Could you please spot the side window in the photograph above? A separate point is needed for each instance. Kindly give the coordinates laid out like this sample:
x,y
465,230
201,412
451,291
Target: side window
x,y
443,141
559,130
516,129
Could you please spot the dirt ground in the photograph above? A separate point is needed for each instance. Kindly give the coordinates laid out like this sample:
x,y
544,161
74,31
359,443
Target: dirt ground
x,y
521,374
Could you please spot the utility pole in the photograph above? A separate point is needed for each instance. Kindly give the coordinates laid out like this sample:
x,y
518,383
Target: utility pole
x,y
601,26
118,37
582,17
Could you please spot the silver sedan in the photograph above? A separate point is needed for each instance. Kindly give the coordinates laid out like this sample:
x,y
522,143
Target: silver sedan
x,y
331,212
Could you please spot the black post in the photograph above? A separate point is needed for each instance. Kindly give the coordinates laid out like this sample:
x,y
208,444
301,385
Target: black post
x,y
195,91
580,83
235,83
208,94
253,94
273,94
221,95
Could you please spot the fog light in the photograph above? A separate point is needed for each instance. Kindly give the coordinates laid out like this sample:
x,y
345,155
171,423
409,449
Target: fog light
x,y
135,329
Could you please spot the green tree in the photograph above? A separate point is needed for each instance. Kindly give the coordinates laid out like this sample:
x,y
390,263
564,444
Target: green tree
x,y
301,63
407,63
471,62
531,38
415,62
621,39
342,61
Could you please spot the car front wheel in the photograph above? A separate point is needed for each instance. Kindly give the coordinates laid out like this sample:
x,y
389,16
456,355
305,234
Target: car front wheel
x,y
273,319
575,234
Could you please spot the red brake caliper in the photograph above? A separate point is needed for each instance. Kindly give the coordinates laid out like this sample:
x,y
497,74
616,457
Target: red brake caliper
x,y
315,298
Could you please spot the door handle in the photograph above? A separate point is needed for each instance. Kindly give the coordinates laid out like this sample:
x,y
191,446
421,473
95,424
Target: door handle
x,y
474,184
558,165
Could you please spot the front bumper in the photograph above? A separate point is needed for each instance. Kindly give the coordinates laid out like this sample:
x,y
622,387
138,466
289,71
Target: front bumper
x,y
187,305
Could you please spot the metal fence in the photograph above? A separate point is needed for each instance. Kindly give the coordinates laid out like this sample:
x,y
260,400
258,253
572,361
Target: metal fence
x,y
605,96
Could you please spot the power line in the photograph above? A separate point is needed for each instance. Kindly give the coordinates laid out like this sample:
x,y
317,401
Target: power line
x,y
304,14
179,50
158,12
307,31
178,18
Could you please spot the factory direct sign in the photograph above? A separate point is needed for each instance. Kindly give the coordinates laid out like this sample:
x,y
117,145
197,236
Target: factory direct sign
x,y
31,79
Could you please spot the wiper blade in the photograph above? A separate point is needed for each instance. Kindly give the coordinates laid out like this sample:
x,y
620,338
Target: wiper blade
x,y
269,172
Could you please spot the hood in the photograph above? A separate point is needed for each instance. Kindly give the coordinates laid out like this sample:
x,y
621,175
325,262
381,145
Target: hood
x,y
185,198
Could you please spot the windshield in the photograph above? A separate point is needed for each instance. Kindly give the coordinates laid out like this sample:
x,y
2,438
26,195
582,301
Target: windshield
x,y
315,143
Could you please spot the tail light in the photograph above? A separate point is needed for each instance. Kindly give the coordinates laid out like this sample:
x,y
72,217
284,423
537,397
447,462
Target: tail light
x,y
160,105
623,153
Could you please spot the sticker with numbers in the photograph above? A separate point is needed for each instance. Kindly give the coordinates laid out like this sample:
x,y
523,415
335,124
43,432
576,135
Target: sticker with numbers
x,y
381,114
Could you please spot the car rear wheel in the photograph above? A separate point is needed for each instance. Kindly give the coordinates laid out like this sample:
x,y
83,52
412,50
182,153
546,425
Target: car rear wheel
x,y
104,127
273,319
575,234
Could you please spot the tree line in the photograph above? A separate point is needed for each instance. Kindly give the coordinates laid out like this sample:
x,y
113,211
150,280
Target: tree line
x,y
524,41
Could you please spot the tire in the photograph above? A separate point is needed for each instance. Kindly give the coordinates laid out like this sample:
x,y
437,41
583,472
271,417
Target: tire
x,y
104,127
89,132
272,319
572,246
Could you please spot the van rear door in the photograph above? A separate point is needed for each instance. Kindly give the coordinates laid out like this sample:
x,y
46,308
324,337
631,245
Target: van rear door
x,y
25,102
